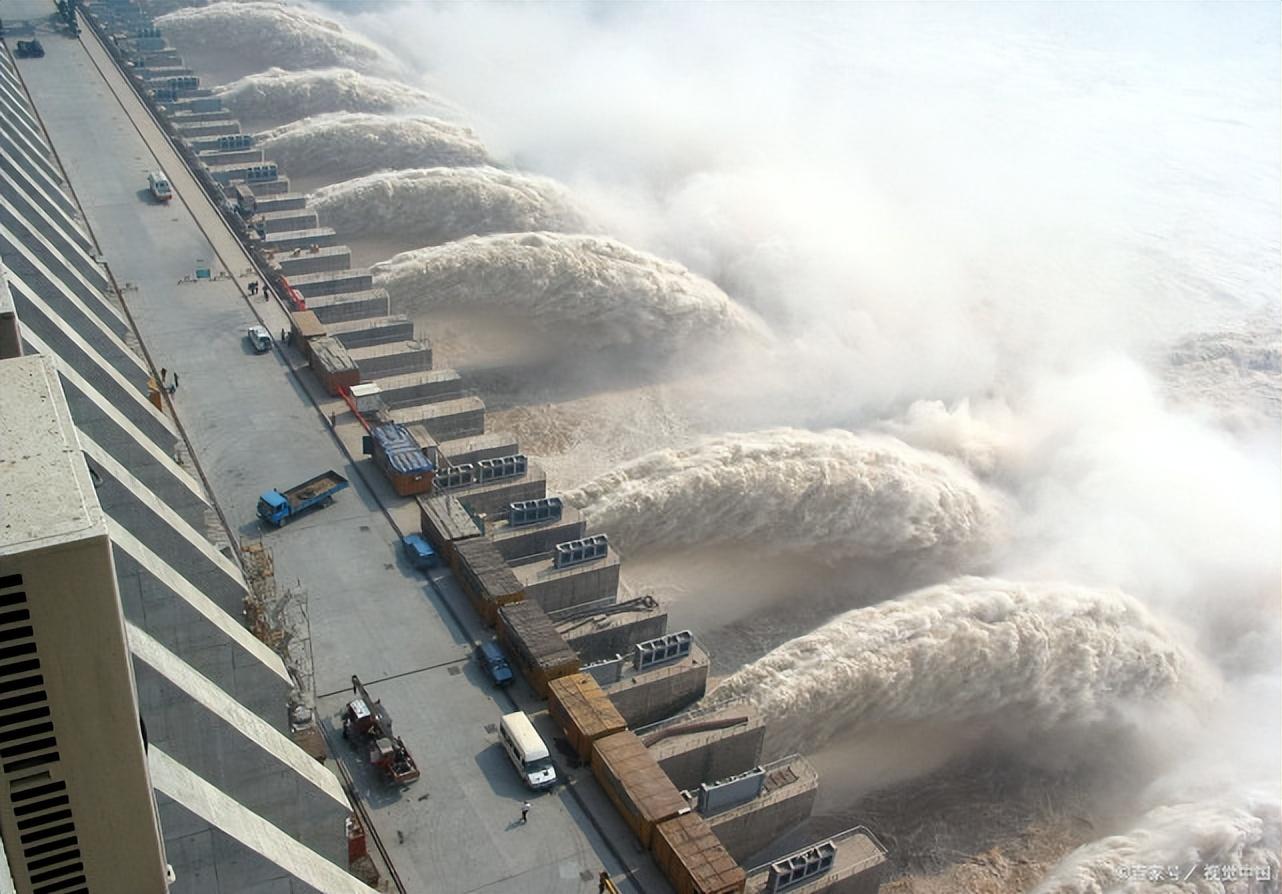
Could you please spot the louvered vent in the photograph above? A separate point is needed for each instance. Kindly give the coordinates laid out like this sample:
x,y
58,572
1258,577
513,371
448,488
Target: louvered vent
x,y
29,755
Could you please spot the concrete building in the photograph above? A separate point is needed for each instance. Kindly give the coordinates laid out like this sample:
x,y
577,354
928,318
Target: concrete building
x,y
76,809
163,739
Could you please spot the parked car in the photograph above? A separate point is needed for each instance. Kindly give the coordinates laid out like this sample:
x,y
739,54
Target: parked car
x,y
158,186
419,551
494,662
259,338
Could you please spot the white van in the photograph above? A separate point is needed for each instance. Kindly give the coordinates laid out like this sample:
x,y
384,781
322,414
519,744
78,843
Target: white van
x,y
158,183
526,750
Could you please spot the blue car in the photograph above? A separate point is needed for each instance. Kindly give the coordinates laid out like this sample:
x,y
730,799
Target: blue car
x,y
419,551
494,662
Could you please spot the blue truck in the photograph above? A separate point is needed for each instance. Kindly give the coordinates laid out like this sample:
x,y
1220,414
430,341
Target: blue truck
x,y
279,507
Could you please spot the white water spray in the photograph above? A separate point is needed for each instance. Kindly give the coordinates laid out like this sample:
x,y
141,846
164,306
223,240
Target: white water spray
x,y
429,206
834,495
256,35
601,291
349,144
1031,656
278,95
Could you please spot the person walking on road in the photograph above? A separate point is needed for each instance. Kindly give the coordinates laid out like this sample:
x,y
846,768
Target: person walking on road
x,y
525,812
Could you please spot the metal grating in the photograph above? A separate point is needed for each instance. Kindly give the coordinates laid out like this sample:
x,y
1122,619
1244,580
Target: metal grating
x,y
576,552
528,512
455,476
800,867
501,467
670,647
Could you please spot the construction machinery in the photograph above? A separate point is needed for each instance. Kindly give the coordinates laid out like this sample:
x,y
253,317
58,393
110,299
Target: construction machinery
x,y
367,724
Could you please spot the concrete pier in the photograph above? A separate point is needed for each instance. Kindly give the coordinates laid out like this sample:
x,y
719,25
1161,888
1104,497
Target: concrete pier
x,y
328,259
283,201
184,119
494,496
331,282
230,156
275,186
157,72
425,386
708,744
372,331
447,418
225,174
851,862
339,307
393,359
647,696
559,588
288,240
535,539
285,220
788,791
212,127
469,449
197,104
609,632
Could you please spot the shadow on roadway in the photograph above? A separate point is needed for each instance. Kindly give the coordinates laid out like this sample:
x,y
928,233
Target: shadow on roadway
x,y
147,198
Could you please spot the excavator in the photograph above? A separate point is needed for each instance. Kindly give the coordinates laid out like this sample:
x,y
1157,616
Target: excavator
x,y
367,723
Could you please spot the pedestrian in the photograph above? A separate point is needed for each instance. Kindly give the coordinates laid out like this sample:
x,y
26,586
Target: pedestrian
x,y
525,811
163,372
175,388
282,336
253,287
